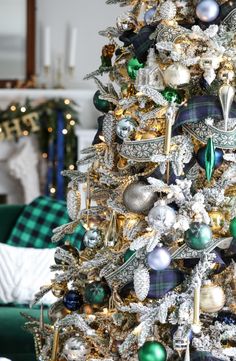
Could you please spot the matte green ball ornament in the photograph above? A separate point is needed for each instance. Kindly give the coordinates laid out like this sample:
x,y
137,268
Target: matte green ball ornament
x,y
101,104
152,351
198,236
133,67
232,227
96,293
172,95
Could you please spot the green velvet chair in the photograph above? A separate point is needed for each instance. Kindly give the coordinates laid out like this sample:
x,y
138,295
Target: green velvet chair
x,y
15,343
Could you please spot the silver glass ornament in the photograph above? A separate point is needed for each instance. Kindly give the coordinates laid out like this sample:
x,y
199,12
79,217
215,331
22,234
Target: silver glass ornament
x,y
161,217
159,259
137,199
92,238
176,75
125,127
207,10
75,349
126,21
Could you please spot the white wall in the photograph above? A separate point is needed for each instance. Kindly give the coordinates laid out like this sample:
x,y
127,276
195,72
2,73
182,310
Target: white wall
x,y
89,16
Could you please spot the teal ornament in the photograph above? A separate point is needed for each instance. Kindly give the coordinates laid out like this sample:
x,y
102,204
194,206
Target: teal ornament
x,y
232,227
96,293
198,236
133,67
152,351
129,253
209,158
172,95
101,104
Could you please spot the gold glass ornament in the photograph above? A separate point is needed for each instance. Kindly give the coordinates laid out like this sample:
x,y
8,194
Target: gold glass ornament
x,y
217,221
212,298
59,289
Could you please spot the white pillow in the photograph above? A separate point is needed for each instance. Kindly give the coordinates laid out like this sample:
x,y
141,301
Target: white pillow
x,y
23,271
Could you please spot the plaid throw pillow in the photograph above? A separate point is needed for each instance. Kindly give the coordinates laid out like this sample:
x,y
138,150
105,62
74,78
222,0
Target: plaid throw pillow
x,y
35,224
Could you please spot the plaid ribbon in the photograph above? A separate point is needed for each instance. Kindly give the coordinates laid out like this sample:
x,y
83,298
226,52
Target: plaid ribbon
x,y
36,222
200,108
164,281
140,41
203,356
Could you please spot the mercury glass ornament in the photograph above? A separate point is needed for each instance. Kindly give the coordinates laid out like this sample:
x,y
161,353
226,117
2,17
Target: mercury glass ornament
x,y
159,259
133,67
92,238
73,300
96,293
125,127
138,199
75,349
207,10
176,75
198,236
212,298
161,216
152,351
149,15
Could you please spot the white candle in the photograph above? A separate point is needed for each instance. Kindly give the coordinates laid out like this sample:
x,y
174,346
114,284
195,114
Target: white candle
x,y
47,47
72,50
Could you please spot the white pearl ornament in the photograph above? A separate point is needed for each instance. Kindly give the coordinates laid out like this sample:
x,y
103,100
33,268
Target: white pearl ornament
x,y
207,10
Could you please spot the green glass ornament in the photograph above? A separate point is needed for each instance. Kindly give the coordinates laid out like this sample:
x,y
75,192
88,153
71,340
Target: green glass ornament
x,y
152,351
232,227
172,95
96,293
129,253
209,159
198,236
133,67
101,104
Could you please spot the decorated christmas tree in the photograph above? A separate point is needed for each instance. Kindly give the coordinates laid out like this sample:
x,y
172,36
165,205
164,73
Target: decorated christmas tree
x,y
154,277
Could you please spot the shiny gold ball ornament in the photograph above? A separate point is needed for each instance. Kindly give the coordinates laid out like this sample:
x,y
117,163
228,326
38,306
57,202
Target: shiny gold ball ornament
x,y
217,220
212,298
59,289
138,199
176,75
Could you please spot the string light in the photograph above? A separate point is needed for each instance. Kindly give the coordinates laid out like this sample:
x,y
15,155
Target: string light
x,y
13,108
53,190
50,130
71,167
25,133
0,130
67,101
23,109
68,116
44,155
72,122
64,131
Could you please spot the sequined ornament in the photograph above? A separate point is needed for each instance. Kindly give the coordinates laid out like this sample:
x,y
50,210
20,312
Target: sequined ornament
x,y
75,349
57,311
152,351
126,21
133,67
59,289
68,248
96,293
92,238
209,158
212,298
161,217
159,258
198,236
73,201
167,10
172,95
126,127
138,199
176,75
207,10
101,104
73,300
232,227
150,15
217,220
